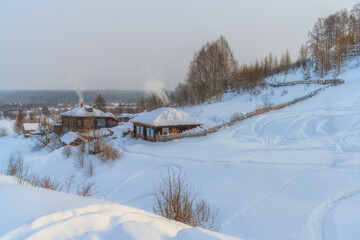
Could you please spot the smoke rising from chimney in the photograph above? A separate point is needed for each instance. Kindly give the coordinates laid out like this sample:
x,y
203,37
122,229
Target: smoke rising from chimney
x,y
154,83
77,74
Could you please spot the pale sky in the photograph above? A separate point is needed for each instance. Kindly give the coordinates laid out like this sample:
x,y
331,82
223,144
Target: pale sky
x,y
140,44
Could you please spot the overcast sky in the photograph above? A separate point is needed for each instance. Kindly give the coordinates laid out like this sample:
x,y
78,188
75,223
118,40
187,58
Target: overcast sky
x,y
103,44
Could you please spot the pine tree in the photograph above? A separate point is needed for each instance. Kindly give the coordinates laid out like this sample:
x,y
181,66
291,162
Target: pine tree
x,y
100,103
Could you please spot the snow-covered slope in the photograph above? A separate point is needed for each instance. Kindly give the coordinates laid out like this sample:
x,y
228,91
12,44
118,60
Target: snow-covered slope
x,y
287,174
35,213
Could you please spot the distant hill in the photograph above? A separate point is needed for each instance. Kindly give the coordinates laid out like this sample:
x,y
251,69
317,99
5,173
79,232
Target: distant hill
x,y
55,97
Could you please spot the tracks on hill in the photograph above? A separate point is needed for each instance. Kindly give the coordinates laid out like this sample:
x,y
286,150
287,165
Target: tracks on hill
x,y
241,117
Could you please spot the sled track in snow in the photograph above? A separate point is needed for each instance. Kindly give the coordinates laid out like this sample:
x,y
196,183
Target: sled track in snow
x,y
315,223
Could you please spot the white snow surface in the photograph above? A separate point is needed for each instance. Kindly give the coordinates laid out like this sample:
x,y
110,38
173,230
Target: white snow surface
x,y
35,213
165,116
293,173
8,125
83,112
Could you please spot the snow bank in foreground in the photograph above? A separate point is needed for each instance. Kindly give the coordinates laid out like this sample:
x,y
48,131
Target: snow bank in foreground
x,y
35,213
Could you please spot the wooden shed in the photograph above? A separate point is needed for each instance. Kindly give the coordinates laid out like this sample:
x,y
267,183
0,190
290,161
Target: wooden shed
x,y
30,128
162,121
72,139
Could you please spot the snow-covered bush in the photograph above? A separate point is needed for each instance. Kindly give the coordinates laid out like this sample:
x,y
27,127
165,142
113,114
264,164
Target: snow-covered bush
x,y
266,101
3,132
16,167
67,150
44,182
89,168
236,116
79,159
109,153
54,142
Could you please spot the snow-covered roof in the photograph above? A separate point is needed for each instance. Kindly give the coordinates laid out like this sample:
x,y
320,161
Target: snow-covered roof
x,y
166,117
70,137
31,126
85,111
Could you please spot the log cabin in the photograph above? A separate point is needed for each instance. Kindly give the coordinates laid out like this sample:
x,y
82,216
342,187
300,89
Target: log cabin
x,y
162,121
84,118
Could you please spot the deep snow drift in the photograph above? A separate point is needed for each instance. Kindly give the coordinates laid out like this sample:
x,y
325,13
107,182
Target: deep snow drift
x,y
34,213
287,174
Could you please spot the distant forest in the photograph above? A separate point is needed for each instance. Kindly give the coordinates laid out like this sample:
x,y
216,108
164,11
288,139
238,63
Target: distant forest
x,y
64,97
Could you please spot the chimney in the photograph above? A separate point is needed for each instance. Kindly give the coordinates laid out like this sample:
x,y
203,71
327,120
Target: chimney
x,y
81,104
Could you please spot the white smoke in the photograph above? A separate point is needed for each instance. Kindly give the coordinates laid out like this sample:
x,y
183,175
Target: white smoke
x,y
154,83
77,75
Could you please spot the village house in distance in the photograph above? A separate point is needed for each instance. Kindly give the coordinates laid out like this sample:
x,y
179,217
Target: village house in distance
x,y
84,118
162,121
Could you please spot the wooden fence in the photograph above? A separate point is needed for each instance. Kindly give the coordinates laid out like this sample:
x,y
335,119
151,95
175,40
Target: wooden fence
x,y
241,117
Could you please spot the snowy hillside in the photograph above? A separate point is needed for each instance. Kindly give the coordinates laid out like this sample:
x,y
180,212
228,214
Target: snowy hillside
x,y
293,173
35,213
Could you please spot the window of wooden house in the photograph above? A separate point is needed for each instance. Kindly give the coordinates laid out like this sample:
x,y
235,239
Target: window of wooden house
x,y
165,131
142,130
79,123
137,130
151,132
101,122
148,132
111,123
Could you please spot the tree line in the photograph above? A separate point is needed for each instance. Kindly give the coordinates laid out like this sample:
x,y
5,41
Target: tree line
x,y
334,39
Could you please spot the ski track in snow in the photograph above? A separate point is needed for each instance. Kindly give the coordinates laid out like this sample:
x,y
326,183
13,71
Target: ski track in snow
x,y
133,177
315,223
268,194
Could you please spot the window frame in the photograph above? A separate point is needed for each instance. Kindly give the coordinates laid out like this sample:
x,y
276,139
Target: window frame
x,y
167,131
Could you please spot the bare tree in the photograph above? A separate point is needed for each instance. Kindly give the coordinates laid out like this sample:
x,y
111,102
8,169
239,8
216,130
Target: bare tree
x,y
69,182
176,199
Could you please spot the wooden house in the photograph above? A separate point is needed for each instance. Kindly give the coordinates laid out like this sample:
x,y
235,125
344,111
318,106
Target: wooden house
x,y
162,121
30,129
72,139
84,118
